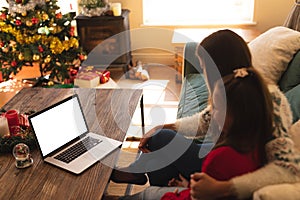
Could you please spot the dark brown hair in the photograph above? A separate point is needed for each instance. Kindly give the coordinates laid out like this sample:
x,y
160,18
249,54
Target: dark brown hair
x,y
250,106
227,50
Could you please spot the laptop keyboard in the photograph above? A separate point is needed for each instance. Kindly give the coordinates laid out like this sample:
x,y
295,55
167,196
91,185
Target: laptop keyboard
x,y
78,149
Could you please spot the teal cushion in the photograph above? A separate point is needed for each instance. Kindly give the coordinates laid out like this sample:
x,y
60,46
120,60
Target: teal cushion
x,y
291,77
193,96
191,62
293,96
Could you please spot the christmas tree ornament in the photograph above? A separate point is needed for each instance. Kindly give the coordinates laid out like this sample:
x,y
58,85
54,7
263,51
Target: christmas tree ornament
x,y
22,156
14,63
40,48
45,17
58,15
81,57
36,57
44,30
3,16
5,49
21,57
28,23
50,83
47,59
34,20
18,22
67,23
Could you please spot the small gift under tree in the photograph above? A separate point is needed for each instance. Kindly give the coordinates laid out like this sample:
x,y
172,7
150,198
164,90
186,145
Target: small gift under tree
x,y
35,31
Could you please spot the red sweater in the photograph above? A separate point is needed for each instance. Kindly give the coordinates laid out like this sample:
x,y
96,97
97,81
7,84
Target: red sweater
x,y
222,163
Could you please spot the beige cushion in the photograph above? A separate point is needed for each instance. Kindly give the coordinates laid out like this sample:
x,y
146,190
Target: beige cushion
x,y
273,50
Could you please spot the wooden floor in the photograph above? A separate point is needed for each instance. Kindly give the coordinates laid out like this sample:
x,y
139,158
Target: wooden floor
x,y
159,72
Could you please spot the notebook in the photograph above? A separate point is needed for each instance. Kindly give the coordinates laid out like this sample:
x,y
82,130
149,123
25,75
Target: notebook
x,y
64,138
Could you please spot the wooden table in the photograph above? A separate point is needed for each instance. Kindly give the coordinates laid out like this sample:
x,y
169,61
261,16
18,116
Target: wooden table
x,y
107,111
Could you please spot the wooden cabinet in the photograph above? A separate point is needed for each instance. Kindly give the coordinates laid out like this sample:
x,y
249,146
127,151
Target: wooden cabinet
x,y
106,39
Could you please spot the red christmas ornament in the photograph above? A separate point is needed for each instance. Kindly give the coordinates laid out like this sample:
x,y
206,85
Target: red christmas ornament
x,y
72,31
13,63
1,44
40,48
34,20
3,16
73,72
18,22
18,1
58,16
81,57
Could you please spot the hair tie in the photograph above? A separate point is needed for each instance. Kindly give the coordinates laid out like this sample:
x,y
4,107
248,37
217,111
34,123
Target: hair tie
x,y
240,73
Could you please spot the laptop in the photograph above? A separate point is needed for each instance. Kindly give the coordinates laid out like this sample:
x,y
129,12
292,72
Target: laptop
x,y
64,139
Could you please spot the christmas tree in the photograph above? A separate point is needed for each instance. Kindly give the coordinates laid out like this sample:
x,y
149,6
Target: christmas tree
x,y
35,31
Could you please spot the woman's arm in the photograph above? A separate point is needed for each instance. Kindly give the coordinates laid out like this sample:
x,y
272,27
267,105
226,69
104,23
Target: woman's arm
x,y
194,126
205,187
244,186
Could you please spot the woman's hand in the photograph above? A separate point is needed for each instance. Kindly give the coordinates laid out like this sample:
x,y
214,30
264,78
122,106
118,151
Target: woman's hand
x,y
205,187
181,182
144,140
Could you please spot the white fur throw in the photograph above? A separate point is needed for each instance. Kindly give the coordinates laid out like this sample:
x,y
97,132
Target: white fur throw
x,y
283,191
273,50
278,192
295,133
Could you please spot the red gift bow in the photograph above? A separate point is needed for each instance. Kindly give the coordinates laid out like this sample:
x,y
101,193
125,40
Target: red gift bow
x,y
104,75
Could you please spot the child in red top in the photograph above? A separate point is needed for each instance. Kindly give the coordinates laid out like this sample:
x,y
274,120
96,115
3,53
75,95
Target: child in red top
x,y
243,104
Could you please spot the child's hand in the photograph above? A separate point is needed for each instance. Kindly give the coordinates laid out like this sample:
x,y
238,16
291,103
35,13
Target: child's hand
x,y
181,182
176,191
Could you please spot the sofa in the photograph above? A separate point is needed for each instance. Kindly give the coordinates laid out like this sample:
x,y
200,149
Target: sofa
x,y
276,54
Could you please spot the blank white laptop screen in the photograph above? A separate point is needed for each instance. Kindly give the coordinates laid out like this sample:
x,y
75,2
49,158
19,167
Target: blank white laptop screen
x,y
59,125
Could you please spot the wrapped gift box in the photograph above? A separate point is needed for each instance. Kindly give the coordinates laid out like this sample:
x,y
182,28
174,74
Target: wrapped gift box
x,y
87,79
104,75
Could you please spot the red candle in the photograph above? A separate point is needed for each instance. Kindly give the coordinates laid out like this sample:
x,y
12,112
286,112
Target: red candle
x,y
13,121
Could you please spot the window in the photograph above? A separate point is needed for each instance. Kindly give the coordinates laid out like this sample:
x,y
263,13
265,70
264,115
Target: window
x,y
197,12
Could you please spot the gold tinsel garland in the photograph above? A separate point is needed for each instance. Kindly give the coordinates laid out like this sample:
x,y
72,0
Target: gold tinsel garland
x,y
56,45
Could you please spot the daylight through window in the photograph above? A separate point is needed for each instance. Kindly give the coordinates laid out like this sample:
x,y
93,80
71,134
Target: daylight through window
x,y
197,12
